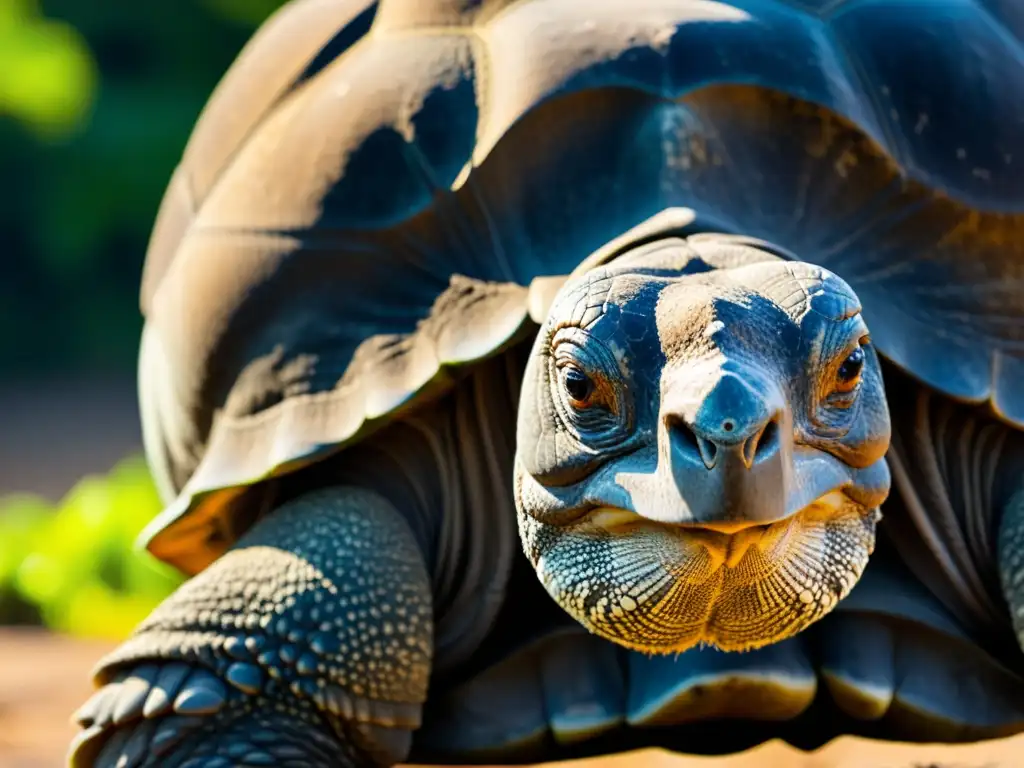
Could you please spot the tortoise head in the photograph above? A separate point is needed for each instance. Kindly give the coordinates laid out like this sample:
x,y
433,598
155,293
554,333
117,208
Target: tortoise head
x,y
701,445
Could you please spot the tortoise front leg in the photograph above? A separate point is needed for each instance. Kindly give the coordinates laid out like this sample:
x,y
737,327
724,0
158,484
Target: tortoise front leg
x,y
309,643
1011,560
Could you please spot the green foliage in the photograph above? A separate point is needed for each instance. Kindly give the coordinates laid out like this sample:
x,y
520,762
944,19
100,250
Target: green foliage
x,y
74,566
47,73
97,100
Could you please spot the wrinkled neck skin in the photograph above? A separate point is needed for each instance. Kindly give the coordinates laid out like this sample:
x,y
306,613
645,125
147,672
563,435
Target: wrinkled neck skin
x,y
956,469
700,447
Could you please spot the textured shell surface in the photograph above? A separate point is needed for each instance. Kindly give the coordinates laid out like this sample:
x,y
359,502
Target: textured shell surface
x,y
373,187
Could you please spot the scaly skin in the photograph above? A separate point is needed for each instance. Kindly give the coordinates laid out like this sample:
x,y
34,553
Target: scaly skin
x,y
309,643
1011,560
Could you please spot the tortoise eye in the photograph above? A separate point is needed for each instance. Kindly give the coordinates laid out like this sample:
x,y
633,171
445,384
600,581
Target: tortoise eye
x,y
577,385
849,372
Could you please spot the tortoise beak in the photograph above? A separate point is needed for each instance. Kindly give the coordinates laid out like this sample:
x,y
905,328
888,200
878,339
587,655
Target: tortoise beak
x,y
725,454
729,454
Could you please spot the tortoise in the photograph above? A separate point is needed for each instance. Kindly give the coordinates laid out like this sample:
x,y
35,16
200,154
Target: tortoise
x,y
690,293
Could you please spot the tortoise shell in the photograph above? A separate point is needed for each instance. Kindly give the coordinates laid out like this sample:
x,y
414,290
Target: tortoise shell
x,y
376,190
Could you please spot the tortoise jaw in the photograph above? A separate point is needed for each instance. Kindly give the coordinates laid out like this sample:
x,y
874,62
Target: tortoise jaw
x,y
726,543
661,587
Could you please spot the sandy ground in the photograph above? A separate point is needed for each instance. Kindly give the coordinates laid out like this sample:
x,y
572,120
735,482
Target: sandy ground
x,y
44,677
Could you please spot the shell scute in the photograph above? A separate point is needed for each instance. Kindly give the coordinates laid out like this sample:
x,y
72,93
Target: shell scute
x,y
938,78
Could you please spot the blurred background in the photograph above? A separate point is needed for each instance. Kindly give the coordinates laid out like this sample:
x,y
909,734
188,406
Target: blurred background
x,y
97,100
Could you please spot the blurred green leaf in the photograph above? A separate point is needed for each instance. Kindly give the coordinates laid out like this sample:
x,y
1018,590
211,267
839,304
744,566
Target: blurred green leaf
x,y
95,610
21,520
77,563
47,74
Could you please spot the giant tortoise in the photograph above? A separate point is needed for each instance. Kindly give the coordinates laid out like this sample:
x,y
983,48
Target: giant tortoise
x,y
432,267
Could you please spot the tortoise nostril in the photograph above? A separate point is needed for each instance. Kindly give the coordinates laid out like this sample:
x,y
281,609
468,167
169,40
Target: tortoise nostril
x,y
689,443
761,443
682,435
769,438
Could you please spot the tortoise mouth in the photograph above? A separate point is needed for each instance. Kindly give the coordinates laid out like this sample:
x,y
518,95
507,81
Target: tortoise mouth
x,y
664,587
726,543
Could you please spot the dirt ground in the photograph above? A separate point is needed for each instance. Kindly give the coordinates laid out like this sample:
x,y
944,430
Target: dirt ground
x,y
44,677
